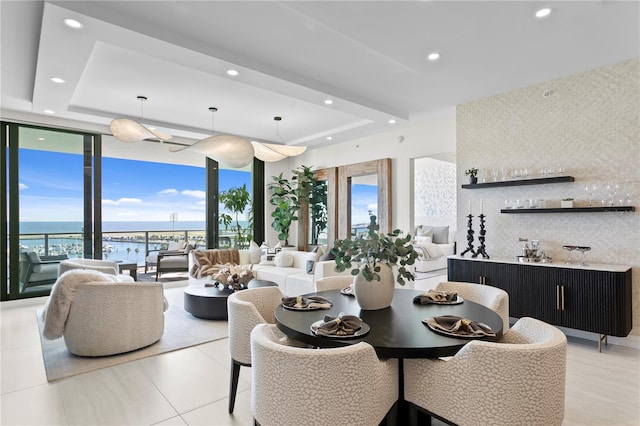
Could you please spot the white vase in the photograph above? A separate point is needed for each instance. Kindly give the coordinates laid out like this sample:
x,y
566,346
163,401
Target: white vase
x,y
372,295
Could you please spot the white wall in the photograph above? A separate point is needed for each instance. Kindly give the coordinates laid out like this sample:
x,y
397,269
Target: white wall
x,y
432,135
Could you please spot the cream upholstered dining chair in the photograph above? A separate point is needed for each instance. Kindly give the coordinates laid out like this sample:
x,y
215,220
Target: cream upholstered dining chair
x,y
517,381
337,386
246,309
493,298
337,282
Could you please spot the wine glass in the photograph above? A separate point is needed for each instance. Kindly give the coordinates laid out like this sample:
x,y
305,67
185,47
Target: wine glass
x,y
591,190
611,191
582,250
570,249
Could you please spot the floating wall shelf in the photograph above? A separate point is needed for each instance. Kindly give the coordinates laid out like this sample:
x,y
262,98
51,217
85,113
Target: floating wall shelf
x,y
572,210
520,182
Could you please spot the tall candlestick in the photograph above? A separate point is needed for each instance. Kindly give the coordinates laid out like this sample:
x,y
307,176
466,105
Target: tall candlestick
x,y
481,206
469,206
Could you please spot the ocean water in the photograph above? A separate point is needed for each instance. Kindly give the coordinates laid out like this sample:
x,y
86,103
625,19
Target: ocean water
x,y
116,246
57,227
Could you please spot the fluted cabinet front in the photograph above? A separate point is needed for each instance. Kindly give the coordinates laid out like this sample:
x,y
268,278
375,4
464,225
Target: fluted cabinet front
x,y
593,300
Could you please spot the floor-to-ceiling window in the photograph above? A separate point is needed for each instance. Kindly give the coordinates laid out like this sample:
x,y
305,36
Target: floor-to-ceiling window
x,y
64,198
49,178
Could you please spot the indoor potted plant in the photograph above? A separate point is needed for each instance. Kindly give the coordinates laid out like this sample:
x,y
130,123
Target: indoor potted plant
x,y
473,175
372,257
288,197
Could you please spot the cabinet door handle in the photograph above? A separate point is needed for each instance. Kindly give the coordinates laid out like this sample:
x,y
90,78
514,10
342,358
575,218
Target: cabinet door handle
x,y
562,297
557,297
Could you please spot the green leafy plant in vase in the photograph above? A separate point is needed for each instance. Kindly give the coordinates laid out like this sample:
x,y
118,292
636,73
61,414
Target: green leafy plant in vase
x,y
372,257
473,175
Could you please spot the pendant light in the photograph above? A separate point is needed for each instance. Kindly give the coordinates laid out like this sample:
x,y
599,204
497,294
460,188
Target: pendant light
x,y
127,130
232,151
269,152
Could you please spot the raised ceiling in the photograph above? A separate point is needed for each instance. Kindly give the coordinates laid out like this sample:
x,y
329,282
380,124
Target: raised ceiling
x,y
369,57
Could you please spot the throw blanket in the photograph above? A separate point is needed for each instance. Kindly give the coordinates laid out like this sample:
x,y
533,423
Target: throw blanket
x,y
428,251
209,262
62,295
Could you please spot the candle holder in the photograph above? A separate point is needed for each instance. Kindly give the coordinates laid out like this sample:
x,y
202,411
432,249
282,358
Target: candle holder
x,y
481,249
469,237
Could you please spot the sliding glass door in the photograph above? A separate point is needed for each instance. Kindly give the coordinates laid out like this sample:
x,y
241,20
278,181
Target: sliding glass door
x,y
47,204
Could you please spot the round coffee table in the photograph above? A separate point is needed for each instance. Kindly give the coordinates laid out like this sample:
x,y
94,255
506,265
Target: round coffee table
x,y
206,302
255,283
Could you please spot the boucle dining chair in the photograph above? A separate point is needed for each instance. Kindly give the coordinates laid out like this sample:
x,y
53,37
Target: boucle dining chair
x,y
246,309
492,297
337,282
338,386
517,381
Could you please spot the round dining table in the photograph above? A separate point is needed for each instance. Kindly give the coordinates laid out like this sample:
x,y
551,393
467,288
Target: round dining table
x,y
396,331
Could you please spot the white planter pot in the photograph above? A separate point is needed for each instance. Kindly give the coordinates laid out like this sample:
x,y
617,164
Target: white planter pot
x,y
372,295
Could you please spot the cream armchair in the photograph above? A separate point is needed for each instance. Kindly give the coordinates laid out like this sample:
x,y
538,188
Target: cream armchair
x,y
104,266
97,315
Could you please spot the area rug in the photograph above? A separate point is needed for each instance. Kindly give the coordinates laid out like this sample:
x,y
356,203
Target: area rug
x,y
181,330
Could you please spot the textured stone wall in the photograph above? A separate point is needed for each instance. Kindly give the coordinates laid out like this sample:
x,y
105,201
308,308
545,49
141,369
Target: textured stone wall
x,y
588,123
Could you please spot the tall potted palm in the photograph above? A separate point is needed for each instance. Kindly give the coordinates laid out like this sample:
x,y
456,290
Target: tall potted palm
x,y
236,201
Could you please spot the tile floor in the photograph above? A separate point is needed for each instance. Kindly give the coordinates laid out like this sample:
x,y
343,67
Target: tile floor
x,y
190,386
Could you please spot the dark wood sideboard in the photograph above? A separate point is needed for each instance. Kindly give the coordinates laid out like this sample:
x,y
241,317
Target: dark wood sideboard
x,y
595,298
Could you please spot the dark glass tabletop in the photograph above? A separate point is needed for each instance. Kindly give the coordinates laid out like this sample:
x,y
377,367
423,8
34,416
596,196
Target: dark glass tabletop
x,y
396,332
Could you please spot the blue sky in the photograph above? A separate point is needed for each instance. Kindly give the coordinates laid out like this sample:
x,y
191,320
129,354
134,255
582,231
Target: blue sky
x,y
51,189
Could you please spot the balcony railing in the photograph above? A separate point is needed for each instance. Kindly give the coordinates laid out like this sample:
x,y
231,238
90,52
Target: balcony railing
x,y
125,246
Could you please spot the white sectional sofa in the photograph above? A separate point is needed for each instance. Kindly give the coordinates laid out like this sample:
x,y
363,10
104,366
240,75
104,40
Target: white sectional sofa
x,y
292,281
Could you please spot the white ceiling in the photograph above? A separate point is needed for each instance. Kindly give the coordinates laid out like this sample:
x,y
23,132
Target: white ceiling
x,y
368,56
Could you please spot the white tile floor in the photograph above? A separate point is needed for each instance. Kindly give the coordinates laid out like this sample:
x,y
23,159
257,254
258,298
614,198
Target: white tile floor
x,y
190,386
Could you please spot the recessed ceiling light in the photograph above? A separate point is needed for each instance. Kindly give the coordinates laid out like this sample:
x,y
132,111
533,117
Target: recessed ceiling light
x,y
433,56
329,138
72,23
543,13
40,139
48,111
232,73
57,80
328,102
392,121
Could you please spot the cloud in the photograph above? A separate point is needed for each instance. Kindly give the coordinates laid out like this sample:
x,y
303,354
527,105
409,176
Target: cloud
x,y
22,186
194,193
169,191
121,201
129,200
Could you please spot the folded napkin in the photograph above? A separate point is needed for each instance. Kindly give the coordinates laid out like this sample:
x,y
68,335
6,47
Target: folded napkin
x,y
343,325
451,324
307,302
433,296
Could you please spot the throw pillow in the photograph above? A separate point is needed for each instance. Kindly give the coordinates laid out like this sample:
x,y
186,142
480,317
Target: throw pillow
x,y
268,259
439,234
283,259
254,252
327,256
312,258
420,239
